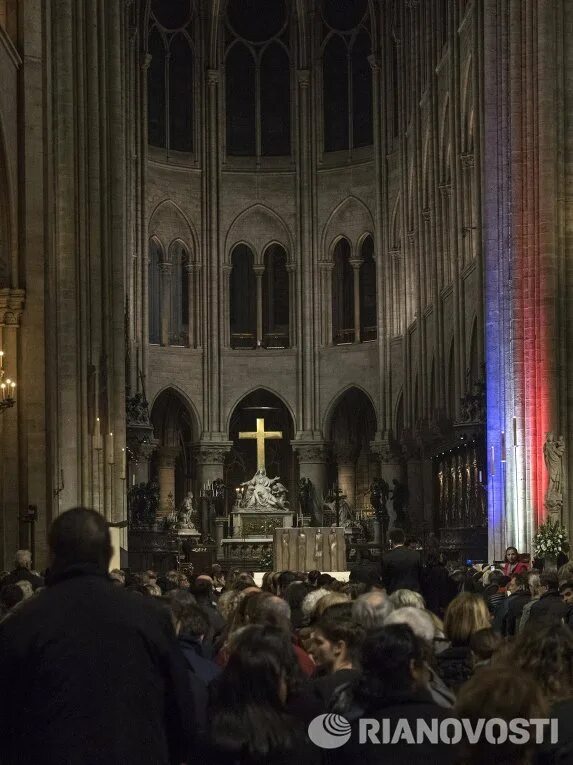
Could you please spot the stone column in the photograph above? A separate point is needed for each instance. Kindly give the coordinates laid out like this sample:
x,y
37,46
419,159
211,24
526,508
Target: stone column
x,y
191,333
391,468
346,463
210,460
312,458
292,302
167,457
165,308
356,263
259,271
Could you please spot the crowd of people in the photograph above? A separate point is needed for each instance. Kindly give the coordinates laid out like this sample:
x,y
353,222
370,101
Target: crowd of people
x,y
211,668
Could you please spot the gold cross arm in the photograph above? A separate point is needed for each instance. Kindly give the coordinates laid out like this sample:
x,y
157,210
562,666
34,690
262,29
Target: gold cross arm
x,y
260,435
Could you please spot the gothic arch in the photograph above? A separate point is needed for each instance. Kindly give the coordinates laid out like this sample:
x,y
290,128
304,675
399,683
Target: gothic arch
x,y
258,226
351,219
254,389
166,406
396,225
168,222
337,398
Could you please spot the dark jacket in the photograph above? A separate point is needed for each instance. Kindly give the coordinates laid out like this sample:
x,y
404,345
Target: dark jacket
x,y
508,614
90,673
401,569
203,668
437,588
323,688
22,574
455,666
549,608
411,708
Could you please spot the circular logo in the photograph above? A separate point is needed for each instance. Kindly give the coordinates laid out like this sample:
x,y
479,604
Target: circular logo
x,y
329,731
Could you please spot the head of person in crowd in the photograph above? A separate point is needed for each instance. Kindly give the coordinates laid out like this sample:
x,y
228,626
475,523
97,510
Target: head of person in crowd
x,y
26,588
548,582
566,591
404,598
190,620
79,538
396,538
267,609
419,621
243,582
248,718
154,590
10,596
511,555
312,577
202,589
266,584
285,578
501,693
227,603
466,614
151,576
310,602
117,577
295,593
546,653
534,582
336,639
354,589
393,667
484,645
324,580
517,583
330,599
183,582
23,560
371,610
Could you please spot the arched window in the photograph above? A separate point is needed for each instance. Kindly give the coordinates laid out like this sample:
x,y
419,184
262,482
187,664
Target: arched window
x,y
180,94
240,88
156,118
179,325
170,77
154,287
276,299
243,296
368,315
347,76
275,101
258,78
342,295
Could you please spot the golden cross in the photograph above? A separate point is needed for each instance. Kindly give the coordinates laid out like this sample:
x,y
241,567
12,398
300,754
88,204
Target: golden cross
x,y
260,436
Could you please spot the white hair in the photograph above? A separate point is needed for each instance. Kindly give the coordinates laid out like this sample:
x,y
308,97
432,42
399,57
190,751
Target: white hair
x,y
26,588
405,598
23,559
310,601
420,622
372,609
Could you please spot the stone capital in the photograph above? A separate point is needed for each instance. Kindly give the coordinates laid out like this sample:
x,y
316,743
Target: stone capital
x,y
259,271
326,265
388,451
467,160
165,267
212,77
206,453
303,77
167,456
445,190
11,306
311,451
427,214
356,263
140,442
411,236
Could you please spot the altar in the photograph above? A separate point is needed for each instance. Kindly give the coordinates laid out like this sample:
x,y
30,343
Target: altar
x,y
309,548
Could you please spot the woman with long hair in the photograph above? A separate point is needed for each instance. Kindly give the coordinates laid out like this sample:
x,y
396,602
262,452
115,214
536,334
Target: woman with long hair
x,y
250,723
466,614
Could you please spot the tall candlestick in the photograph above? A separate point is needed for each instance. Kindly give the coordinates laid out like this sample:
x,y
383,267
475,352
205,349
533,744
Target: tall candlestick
x,y
515,431
503,455
1,359
492,462
97,435
123,465
110,457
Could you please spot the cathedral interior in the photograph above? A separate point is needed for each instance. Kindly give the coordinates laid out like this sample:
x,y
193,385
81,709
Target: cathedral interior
x,y
351,219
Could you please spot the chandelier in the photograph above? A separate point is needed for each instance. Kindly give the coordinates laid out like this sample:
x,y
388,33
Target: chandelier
x,y
7,387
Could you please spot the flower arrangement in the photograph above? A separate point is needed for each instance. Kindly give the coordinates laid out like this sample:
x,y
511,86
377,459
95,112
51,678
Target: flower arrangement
x,y
551,539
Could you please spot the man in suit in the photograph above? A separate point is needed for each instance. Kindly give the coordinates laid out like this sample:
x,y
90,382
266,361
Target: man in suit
x,y
401,567
23,571
90,672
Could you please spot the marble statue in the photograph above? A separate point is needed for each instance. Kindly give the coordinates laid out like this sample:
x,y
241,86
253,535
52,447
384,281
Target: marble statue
x,y
263,493
553,451
186,517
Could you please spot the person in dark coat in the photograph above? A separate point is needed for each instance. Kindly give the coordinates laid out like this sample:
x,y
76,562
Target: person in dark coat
x,y
550,608
401,567
23,571
393,688
437,587
90,673
202,589
508,613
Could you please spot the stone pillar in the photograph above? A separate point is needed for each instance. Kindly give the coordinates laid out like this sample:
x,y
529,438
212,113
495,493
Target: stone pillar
x,y
346,463
165,309
191,332
167,457
141,445
356,263
312,458
210,460
259,271
391,468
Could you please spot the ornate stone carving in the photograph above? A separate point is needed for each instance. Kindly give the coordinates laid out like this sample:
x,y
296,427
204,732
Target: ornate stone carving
x,y
467,160
303,77
262,494
553,451
310,452
211,454
388,451
11,306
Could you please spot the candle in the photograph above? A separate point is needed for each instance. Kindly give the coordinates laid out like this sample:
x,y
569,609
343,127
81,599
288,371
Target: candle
x,y
492,462
97,435
110,457
12,390
1,359
133,480
480,476
515,431
122,476
503,457
3,389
